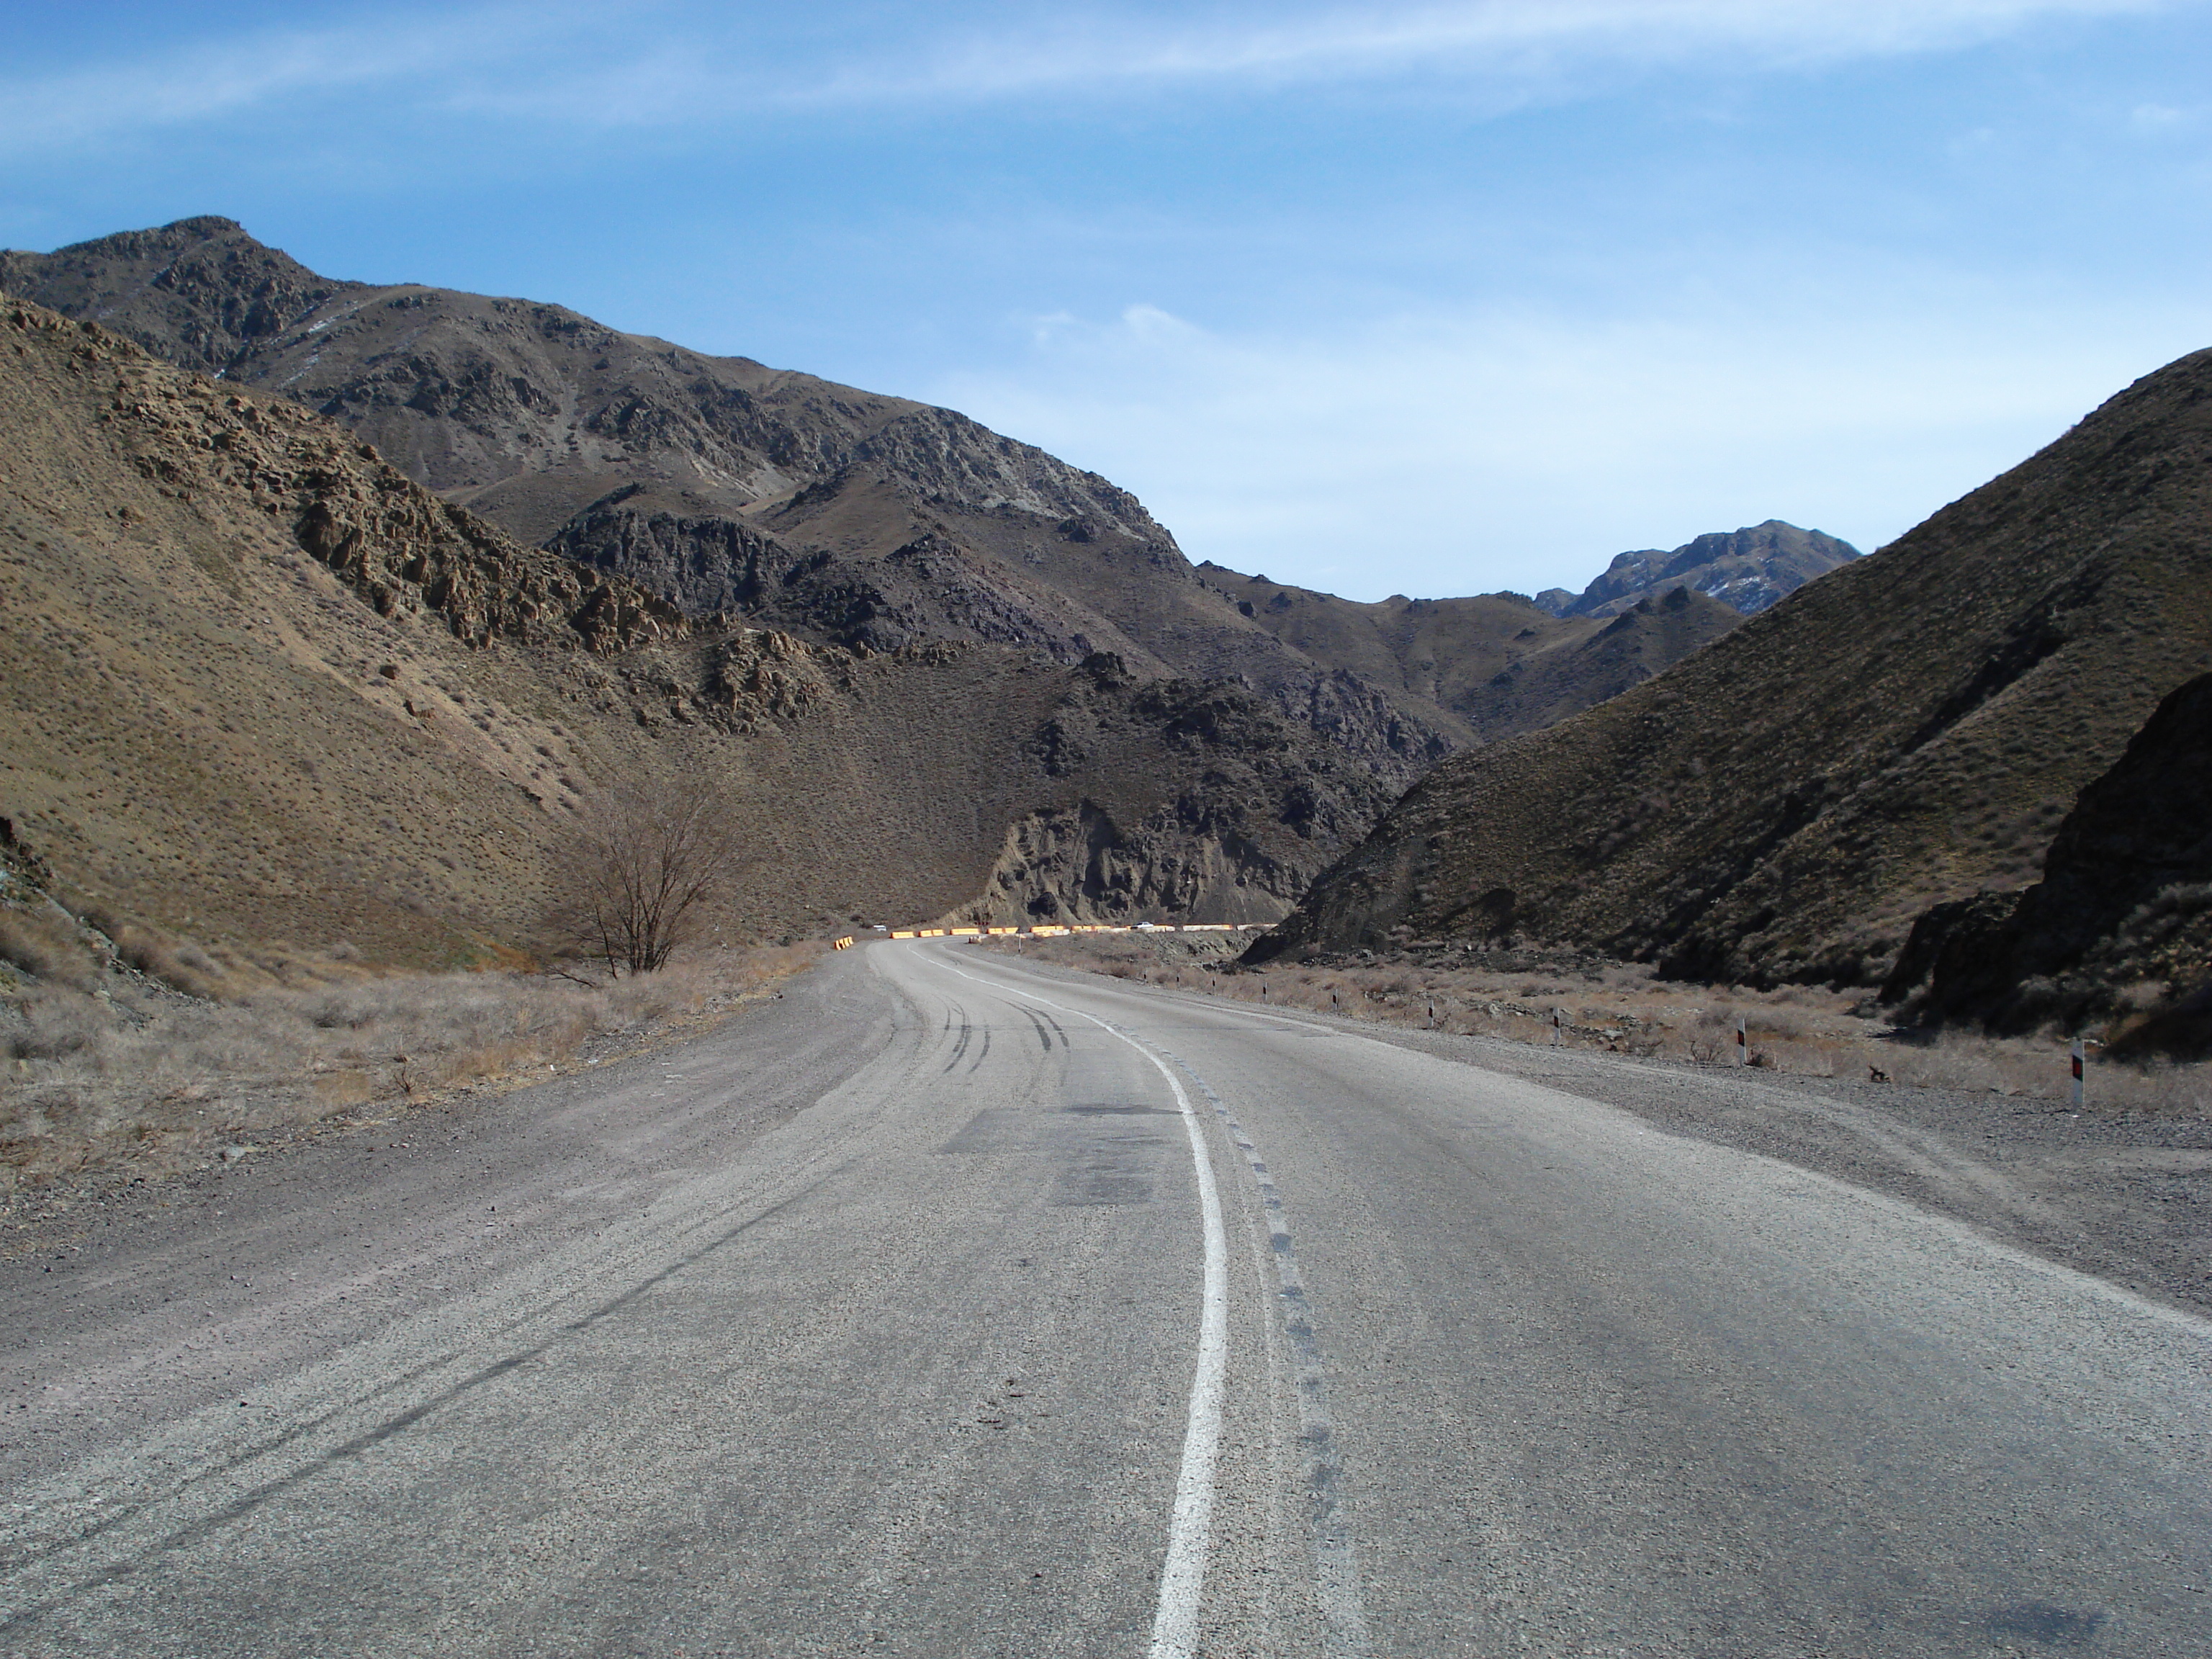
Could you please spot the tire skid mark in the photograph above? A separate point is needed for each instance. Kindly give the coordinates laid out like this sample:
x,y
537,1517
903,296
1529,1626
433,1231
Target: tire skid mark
x,y
1337,1589
983,1053
357,1445
1175,1620
967,1033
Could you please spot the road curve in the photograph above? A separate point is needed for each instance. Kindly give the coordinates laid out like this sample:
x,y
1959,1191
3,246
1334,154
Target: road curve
x,y
948,1307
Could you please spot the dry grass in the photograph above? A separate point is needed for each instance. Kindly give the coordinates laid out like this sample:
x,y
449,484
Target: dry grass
x,y
132,1074
1622,1008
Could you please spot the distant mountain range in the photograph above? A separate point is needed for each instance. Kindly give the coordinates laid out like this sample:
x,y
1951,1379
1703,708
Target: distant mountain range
x,y
842,516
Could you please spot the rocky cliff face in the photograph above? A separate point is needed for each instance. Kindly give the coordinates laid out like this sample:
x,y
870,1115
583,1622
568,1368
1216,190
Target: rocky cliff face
x,y
2121,923
1906,730
1747,570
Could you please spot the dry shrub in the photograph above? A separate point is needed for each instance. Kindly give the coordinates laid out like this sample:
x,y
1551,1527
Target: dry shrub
x,y
184,965
54,1021
145,1077
46,944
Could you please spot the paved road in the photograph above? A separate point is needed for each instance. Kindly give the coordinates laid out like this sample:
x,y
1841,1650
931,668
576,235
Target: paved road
x,y
950,1308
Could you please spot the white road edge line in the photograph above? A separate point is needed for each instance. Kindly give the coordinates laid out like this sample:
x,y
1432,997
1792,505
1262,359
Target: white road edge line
x,y
1336,1583
1183,1578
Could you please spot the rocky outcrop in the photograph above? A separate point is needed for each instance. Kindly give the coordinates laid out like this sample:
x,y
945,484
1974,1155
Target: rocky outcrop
x,y
1747,570
399,546
1075,864
2121,923
703,563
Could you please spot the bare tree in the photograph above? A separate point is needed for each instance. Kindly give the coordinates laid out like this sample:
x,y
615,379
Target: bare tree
x,y
643,863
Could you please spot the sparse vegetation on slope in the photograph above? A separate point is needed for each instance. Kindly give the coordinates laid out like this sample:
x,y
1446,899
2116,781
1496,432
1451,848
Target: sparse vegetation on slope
x,y
2119,932
1911,728
1486,668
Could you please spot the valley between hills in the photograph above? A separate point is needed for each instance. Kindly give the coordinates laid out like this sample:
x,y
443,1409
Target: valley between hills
x,y
326,608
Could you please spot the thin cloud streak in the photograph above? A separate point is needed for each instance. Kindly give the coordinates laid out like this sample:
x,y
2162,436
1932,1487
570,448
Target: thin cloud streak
x,y
212,81
1507,448
1503,39
593,68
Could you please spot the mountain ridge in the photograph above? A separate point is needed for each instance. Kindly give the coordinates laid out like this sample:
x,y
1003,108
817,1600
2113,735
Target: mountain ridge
x,y
842,516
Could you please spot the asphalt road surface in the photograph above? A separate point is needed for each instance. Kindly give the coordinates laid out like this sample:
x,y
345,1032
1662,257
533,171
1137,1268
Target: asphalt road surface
x,y
948,1307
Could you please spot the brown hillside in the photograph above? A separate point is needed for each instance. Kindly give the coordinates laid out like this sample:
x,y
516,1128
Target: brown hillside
x,y
723,485
1908,729
254,682
2121,923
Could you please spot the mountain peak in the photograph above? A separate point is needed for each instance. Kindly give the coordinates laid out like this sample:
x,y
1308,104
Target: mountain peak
x,y
1747,570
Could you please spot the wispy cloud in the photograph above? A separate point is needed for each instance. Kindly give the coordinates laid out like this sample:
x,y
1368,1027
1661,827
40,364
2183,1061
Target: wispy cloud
x,y
216,79
1488,39
645,64
1464,451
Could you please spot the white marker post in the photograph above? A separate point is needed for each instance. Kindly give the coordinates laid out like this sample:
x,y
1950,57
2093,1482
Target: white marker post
x,y
2080,1056
1556,1016
1742,1043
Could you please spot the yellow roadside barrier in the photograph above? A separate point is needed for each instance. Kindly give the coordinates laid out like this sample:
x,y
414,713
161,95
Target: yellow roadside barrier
x,y
844,944
901,932
966,933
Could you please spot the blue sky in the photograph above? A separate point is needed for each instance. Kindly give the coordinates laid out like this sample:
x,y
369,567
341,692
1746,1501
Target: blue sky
x,y
1419,298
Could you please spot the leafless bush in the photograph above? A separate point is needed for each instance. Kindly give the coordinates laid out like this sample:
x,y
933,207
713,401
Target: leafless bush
x,y
644,862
